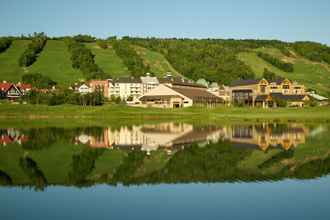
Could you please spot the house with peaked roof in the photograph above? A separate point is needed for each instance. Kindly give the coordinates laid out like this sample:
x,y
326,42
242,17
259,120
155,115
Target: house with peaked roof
x,y
321,100
265,93
176,95
10,91
84,89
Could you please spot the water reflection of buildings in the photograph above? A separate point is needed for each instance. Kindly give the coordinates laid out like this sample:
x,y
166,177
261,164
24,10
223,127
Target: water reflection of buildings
x,y
10,135
147,137
265,136
176,135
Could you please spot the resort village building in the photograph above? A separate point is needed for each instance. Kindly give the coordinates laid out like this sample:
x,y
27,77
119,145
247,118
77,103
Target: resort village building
x,y
267,93
125,87
148,83
169,92
132,88
173,94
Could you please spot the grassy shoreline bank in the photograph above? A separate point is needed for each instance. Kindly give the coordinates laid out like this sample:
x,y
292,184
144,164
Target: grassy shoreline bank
x,y
102,115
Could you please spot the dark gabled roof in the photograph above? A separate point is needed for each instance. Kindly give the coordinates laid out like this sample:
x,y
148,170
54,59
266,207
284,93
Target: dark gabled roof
x,y
180,82
242,90
288,97
244,82
197,94
188,84
127,80
157,97
277,81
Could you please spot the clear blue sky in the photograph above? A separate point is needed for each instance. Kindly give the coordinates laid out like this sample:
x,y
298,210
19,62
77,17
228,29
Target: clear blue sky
x,y
288,20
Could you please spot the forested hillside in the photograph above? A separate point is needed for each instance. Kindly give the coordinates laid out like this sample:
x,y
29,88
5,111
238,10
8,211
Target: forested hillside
x,y
69,59
227,60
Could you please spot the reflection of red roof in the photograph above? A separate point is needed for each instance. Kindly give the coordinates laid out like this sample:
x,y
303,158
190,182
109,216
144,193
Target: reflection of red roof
x,y
5,86
5,139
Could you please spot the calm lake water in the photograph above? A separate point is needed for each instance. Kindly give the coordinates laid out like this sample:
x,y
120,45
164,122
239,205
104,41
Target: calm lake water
x,y
166,170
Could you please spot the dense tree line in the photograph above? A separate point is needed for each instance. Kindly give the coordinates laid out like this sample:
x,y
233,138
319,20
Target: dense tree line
x,y
213,60
130,58
4,43
95,98
270,76
30,55
82,58
287,67
82,38
313,51
38,80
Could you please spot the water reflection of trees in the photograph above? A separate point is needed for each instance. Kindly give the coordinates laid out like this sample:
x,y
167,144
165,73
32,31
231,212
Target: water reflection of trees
x,y
220,163
277,158
5,179
188,162
133,161
82,165
31,169
40,138
312,169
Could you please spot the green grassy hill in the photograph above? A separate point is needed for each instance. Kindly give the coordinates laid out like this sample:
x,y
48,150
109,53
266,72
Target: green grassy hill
x,y
54,61
313,74
108,60
157,62
9,68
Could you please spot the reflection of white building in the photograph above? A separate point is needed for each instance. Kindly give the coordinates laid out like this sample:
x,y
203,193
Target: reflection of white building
x,y
11,135
170,136
149,137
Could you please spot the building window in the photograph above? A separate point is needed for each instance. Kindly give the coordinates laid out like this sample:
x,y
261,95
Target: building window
x,y
263,89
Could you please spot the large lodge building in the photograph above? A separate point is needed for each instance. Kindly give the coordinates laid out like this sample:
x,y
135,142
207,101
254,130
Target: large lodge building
x,y
265,93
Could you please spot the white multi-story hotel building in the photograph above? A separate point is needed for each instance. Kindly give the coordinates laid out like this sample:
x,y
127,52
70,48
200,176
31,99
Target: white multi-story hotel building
x,y
127,87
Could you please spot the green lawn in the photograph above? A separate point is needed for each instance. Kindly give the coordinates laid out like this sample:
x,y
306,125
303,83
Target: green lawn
x,y
9,68
54,61
108,60
314,75
157,62
69,115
